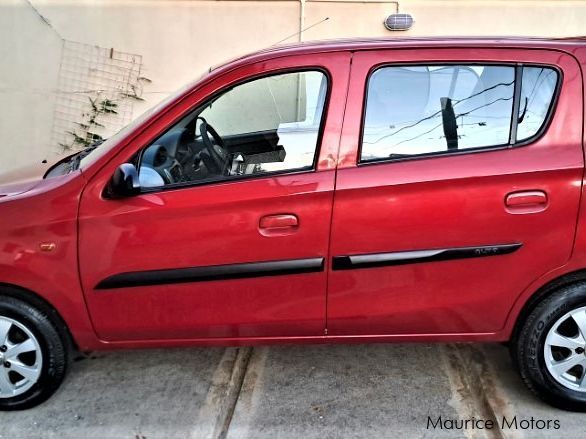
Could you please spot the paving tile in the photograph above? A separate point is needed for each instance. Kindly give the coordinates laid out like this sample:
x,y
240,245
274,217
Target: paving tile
x,y
132,395
514,399
347,391
344,391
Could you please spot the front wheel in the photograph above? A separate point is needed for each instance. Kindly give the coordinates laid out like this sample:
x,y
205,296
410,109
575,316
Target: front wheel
x,y
33,355
550,349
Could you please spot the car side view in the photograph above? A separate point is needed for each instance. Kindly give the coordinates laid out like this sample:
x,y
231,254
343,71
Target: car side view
x,y
396,190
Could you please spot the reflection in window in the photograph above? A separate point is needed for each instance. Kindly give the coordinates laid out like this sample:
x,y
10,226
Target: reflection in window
x,y
427,109
270,124
537,90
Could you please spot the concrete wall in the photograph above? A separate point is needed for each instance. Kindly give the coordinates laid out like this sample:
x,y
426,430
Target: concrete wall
x,y
29,65
179,39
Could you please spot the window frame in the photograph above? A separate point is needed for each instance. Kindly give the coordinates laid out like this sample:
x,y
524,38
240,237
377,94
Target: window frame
x,y
137,159
517,74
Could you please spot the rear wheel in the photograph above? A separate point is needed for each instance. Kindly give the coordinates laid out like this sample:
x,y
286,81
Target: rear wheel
x,y
550,350
33,355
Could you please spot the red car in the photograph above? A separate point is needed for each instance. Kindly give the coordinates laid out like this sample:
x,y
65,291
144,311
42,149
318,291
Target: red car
x,y
350,191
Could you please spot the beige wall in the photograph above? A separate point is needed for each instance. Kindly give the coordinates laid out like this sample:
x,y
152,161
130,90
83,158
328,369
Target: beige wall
x,y
29,64
179,39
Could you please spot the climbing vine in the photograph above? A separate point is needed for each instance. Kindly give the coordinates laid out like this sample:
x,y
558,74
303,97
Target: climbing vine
x,y
94,119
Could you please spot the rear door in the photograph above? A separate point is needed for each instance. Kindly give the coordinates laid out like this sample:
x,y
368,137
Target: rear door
x,y
458,185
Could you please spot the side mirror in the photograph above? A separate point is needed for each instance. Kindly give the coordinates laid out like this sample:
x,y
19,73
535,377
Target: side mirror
x,y
124,182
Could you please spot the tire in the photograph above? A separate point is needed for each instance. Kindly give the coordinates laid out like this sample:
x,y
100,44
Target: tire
x,y
554,367
43,360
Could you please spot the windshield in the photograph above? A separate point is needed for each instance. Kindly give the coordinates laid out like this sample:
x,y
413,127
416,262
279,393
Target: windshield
x,y
87,158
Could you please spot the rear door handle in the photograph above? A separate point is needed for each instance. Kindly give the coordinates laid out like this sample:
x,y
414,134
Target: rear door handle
x,y
278,224
526,201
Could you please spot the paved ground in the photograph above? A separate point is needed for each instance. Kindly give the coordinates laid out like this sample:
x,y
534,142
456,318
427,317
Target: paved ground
x,y
365,391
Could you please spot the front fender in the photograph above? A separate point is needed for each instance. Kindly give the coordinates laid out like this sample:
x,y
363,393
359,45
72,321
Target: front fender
x,y
38,249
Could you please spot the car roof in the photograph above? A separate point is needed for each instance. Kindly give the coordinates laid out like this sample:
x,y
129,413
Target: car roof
x,y
369,43
354,44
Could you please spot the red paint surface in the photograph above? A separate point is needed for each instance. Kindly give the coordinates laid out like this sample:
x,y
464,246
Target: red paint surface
x,y
451,201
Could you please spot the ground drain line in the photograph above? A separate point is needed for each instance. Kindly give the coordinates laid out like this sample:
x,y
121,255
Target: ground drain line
x,y
216,411
233,392
496,401
468,385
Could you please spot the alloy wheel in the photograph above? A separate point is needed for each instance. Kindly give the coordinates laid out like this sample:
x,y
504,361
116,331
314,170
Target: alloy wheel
x,y
565,350
21,359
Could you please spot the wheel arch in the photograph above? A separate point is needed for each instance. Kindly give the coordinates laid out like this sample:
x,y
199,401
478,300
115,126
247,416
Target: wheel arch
x,y
44,305
544,291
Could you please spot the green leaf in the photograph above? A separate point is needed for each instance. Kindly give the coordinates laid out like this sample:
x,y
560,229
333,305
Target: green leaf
x,y
131,96
93,136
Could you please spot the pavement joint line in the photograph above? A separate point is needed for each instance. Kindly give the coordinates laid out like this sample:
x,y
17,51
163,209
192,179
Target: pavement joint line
x,y
214,416
469,396
250,393
496,399
207,418
233,392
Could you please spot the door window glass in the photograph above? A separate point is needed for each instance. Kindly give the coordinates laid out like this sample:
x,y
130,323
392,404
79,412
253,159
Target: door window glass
x,y
267,125
537,90
430,109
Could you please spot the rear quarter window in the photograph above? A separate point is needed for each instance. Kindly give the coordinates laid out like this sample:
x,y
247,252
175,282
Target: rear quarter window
x,y
538,86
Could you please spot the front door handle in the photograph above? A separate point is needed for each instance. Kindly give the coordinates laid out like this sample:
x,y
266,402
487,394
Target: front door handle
x,y
526,201
278,224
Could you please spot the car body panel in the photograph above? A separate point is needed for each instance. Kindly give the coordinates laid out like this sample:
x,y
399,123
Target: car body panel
x,y
46,214
452,201
284,309
212,225
22,179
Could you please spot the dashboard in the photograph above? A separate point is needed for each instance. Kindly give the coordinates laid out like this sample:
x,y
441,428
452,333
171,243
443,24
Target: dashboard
x,y
174,156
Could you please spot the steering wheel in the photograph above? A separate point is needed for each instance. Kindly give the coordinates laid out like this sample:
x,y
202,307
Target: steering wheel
x,y
218,154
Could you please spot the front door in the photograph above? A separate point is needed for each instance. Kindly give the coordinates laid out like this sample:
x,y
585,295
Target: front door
x,y
458,185
230,234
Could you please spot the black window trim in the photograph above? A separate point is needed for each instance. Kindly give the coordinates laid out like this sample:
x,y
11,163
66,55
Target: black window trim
x,y
518,86
237,178
518,66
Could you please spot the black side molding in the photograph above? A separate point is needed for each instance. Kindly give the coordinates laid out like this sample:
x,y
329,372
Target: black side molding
x,y
412,257
211,273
